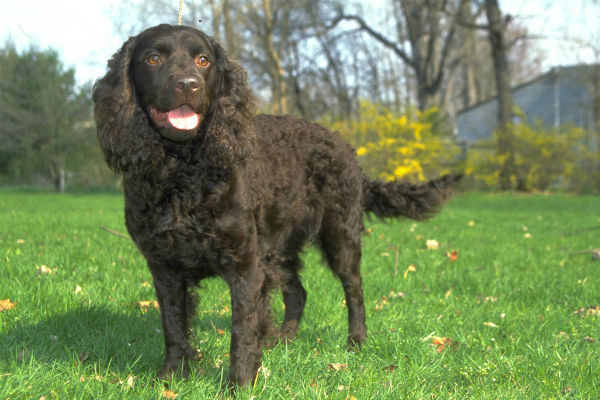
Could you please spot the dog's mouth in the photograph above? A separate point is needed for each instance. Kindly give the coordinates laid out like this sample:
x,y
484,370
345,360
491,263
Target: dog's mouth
x,y
183,119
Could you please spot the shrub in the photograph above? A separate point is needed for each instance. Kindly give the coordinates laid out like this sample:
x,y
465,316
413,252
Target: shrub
x,y
544,158
391,146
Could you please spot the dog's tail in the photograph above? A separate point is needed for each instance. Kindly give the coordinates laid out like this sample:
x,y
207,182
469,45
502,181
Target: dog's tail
x,y
415,201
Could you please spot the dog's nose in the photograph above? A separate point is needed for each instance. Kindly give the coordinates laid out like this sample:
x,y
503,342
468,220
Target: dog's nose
x,y
188,84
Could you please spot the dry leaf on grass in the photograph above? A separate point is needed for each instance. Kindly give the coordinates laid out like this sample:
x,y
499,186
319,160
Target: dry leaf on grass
x,y
84,355
490,325
169,394
432,244
486,299
452,255
441,342
144,305
587,311
43,269
410,268
6,304
336,366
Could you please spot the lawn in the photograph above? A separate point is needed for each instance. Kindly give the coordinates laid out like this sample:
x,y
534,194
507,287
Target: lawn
x,y
504,308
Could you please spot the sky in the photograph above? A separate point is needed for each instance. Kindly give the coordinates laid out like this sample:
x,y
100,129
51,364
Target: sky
x,y
84,33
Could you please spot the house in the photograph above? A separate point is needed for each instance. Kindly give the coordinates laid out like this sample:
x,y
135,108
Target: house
x,y
559,97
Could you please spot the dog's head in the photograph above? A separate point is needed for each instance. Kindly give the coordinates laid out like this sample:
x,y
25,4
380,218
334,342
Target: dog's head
x,y
171,85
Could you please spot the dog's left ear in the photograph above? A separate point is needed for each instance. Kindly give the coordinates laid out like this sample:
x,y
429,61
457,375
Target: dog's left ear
x,y
231,127
122,127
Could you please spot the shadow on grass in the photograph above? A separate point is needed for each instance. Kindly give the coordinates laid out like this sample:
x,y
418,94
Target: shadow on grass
x,y
125,343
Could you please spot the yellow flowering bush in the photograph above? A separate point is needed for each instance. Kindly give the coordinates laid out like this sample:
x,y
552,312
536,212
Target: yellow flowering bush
x,y
544,158
391,146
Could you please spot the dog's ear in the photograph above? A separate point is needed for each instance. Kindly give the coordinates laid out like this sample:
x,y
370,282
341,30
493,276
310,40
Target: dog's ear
x,y
231,121
122,126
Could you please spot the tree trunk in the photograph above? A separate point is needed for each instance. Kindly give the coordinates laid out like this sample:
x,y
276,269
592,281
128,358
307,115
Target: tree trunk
x,y
60,180
278,83
498,46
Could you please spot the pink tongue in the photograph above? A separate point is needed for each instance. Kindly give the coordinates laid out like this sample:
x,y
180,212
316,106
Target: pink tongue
x,y
184,118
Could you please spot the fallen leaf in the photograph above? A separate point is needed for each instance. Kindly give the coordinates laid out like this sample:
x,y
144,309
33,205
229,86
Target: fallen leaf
x,y
432,244
129,382
169,394
381,303
394,295
146,304
83,356
441,342
426,338
587,311
410,268
588,339
220,331
20,241
390,368
6,304
336,366
43,269
490,325
452,255
486,299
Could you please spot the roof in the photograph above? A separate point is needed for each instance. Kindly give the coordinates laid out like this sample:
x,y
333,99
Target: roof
x,y
563,70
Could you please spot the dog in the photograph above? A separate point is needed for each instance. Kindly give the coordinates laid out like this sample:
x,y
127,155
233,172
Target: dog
x,y
213,189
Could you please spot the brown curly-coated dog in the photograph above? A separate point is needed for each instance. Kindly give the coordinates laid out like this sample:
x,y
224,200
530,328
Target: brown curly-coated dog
x,y
211,189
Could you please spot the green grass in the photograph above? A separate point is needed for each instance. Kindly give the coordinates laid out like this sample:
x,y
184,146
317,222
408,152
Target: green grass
x,y
507,303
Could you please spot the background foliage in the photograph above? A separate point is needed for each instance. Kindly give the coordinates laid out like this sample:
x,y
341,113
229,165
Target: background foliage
x,y
392,146
565,158
46,130
361,68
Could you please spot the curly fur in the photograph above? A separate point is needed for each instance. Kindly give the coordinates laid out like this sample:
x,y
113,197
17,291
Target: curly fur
x,y
240,200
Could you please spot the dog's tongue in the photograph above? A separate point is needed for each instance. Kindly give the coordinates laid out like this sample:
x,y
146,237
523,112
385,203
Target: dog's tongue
x,y
183,118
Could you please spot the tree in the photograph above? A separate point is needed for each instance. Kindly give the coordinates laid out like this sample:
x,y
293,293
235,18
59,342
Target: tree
x,y
424,41
43,114
497,36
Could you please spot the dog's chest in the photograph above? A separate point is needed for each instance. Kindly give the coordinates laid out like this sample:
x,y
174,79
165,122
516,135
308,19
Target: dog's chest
x,y
194,223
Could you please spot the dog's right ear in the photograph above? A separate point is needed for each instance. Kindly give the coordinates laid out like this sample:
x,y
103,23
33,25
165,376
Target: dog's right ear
x,y
121,124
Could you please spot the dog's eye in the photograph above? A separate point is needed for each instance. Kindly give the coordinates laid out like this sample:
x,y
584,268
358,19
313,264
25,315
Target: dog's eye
x,y
153,59
202,61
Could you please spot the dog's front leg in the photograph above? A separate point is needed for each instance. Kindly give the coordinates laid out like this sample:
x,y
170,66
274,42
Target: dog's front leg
x,y
173,298
249,306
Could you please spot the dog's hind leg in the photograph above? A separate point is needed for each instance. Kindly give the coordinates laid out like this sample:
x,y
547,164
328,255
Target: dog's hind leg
x,y
342,250
294,298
